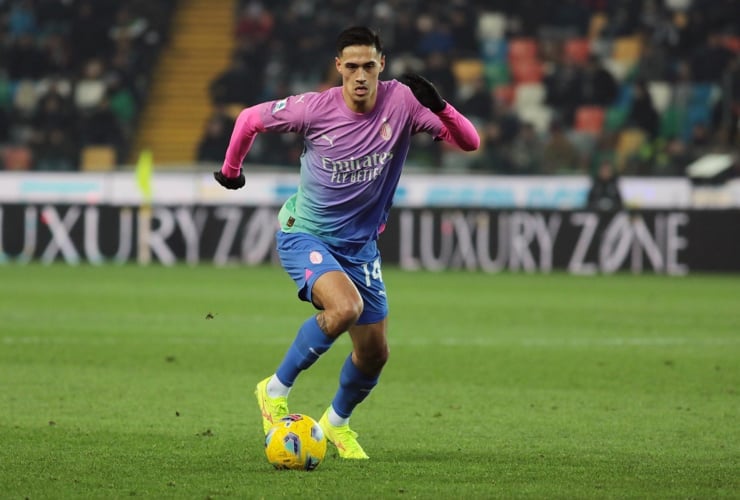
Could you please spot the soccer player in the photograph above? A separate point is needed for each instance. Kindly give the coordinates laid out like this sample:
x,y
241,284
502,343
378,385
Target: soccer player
x,y
356,140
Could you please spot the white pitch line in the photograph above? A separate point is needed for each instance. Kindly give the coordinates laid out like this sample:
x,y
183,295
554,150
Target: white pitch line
x,y
463,341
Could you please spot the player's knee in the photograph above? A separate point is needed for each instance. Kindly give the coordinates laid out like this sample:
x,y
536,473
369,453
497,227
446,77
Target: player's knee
x,y
341,316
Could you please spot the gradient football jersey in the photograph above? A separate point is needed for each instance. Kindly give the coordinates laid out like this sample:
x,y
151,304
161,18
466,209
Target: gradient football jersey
x,y
351,162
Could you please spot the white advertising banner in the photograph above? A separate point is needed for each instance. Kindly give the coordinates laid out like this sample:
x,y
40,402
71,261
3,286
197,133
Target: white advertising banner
x,y
415,190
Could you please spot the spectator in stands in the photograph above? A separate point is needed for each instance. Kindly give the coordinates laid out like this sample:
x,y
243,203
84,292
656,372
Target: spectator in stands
x,y
212,146
463,19
559,154
673,158
255,23
710,60
24,58
54,111
55,149
700,141
405,34
568,18
88,34
438,71
90,88
654,64
642,113
127,27
604,194
598,86
434,36
494,158
22,20
122,104
479,106
624,17
101,127
236,85
526,151
4,125
58,57
563,89
54,16
730,103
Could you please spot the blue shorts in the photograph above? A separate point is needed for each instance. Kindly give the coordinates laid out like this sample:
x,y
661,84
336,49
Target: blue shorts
x,y
305,258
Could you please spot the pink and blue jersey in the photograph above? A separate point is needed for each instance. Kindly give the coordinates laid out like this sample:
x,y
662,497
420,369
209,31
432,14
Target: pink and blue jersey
x,y
352,162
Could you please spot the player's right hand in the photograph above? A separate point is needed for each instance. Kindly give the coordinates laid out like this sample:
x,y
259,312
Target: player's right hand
x,y
230,182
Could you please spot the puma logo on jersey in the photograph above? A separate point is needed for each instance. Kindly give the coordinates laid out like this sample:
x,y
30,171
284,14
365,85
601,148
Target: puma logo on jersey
x,y
330,140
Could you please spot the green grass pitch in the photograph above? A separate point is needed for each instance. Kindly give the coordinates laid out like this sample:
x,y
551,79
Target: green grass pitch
x,y
137,382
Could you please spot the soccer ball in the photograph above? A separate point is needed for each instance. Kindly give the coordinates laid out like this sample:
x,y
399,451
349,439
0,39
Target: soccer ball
x,y
295,442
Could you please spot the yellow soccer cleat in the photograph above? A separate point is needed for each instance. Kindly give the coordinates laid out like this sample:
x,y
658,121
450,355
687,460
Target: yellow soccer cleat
x,y
344,438
273,409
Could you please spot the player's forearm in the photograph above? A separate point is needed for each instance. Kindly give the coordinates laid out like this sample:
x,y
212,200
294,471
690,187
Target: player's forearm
x,y
458,130
248,125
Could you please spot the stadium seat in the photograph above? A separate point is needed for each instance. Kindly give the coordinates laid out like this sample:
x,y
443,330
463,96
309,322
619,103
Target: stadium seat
x,y
98,158
732,42
627,49
522,48
25,97
618,69
615,117
88,93
16,158
491,26
678,5
590,119
504,94
526,70
495,50
497,73
695,115
661,94
628,142
467,71
596,24
6,93
577,50
529,94
624,95
539,116
704,94
671,122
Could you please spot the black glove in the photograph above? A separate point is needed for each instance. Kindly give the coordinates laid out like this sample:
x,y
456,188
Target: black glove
x,y
424,92
230,182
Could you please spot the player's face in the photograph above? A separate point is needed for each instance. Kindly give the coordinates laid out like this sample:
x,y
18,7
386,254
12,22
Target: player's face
x,y
360,67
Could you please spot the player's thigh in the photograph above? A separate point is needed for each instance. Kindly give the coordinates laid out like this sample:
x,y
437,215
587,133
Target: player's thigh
x,y
307,259
334,290
366,274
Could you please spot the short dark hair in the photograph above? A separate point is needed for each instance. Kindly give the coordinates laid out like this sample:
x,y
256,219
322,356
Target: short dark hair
x,y
358,35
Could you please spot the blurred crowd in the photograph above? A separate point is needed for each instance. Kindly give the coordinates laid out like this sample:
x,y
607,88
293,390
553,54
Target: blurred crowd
x,y
560,87
646,86
74,75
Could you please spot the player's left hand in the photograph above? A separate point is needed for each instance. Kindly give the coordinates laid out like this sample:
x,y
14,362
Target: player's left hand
x,y
230,182
424,91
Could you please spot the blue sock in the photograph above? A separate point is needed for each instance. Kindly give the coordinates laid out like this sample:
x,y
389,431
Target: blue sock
x,y
354,387
310,343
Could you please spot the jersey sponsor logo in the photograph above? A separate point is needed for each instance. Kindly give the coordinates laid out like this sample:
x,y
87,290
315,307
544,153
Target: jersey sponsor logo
x,y
316,257
386,132
281,104
354,170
